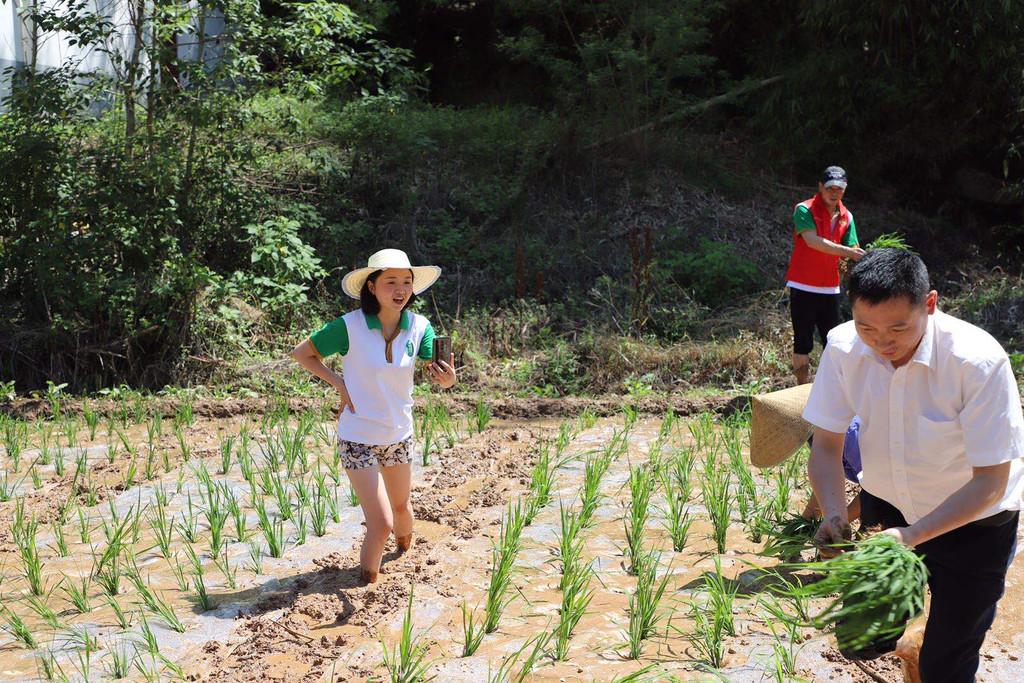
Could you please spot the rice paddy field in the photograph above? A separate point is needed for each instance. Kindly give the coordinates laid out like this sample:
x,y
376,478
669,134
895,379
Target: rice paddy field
x,y
167,542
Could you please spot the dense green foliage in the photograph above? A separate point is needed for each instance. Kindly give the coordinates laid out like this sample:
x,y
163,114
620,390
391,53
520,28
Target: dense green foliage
x,y
194,209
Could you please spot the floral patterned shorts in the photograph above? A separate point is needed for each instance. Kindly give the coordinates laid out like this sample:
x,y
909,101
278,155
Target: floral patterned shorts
x,y
357,456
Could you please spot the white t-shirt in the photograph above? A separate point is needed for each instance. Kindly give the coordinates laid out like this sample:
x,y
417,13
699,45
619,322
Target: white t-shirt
x,y
955,405
381,390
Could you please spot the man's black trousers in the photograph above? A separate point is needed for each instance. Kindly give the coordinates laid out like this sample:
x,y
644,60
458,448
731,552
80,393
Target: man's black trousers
x,y
966,574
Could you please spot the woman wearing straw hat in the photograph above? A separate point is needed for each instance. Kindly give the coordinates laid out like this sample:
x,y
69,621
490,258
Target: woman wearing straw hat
x,y
778,430
379,343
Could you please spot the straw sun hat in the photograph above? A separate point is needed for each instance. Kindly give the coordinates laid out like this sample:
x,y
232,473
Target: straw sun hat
x,y
422,276
777,429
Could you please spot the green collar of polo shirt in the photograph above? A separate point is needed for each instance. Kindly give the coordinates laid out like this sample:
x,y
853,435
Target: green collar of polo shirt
x,y
373,322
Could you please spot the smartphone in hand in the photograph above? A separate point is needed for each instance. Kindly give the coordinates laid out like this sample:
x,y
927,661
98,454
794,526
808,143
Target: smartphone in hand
x,y
442,349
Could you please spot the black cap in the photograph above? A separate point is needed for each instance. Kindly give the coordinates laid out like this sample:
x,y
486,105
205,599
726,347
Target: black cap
x,y
834,176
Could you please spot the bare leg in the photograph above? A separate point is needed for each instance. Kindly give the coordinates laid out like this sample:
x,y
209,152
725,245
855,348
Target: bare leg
x,y
373,498
398,482
802,368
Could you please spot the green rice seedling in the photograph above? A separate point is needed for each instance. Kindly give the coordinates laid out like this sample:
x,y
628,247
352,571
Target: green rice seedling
x,y
216,517
183,444
70,429
113,450
641,486
283,496
677,515
630,415
708,636
334,506
37,480
224,565
790,536
508,663
92,420
179,484
273,532
227,447
586,419
721,596
576,596
178,572
92,492
503,557
255,557
84,529
188,525
81,463
873,590
318,512
16,627
785,651
562,442
594,469
645,613
353,497
162,527
109,578
28,551
237,513
48,669
703,432
481,416
78,593
300,525
119,660
301,489
570,545
60,542
472,631
540,644
161,609
7,489
198,579
149,472
542,478
124,619
15,435
651,673
58,462
245,464
146,636
266,481
890,240
131,473
715,491
428,434
184,415
405,662
45,442
42,610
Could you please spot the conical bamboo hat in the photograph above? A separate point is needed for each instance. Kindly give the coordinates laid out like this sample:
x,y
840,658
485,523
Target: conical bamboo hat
x,y
777,429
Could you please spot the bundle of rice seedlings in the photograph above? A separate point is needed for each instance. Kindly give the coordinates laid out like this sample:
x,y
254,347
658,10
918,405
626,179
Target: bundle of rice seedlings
x,y
873,590
790,536
890,240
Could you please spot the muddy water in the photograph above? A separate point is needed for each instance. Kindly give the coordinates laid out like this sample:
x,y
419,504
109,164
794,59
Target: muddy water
x,y
305,618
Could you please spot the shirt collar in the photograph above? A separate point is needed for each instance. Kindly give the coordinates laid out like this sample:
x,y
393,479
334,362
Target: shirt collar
x,y
925,354
373,322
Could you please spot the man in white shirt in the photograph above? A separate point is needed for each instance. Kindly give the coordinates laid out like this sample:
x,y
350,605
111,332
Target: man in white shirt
x,y
942,442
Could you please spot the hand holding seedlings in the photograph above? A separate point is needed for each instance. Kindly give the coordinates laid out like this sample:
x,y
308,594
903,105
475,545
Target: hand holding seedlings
x,y
832,535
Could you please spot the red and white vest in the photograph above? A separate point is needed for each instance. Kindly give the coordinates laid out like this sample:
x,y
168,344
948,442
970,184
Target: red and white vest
x,y
811,267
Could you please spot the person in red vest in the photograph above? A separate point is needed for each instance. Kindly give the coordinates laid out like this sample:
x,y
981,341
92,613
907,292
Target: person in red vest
x,y
823,233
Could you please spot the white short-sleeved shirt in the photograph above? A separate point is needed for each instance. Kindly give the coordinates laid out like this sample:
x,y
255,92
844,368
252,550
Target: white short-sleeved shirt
x,y
380,388
924,425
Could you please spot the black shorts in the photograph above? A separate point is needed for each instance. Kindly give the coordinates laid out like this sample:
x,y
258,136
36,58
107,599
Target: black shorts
x,y
810,311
